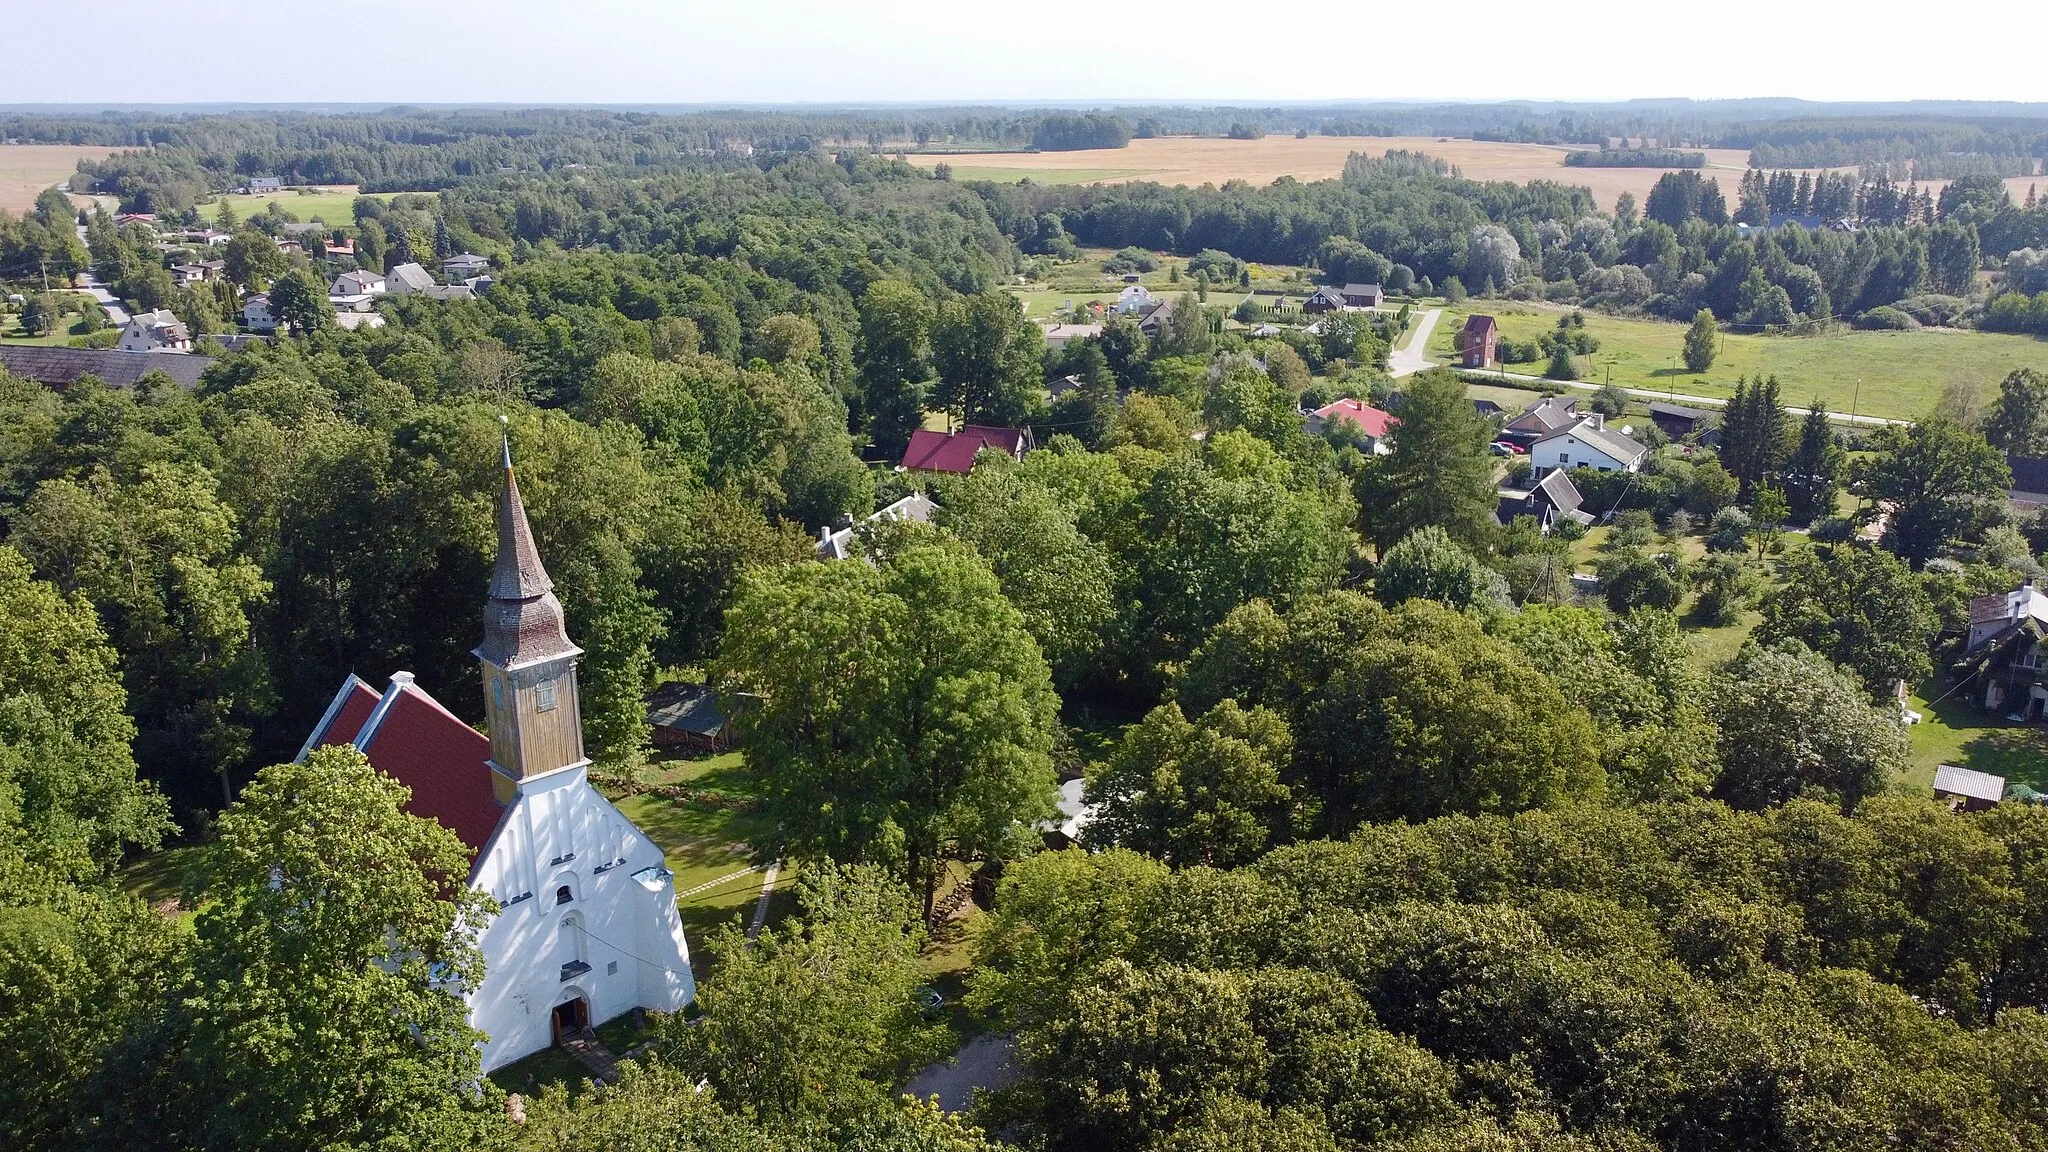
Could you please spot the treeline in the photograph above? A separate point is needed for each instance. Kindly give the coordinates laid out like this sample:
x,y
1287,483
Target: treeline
x,y
1928,148
1075,133
1635,158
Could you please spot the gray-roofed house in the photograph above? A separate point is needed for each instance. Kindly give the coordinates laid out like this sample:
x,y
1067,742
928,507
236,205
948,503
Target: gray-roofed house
x,y
256,314
1541,418
1550,499
464,264
62,367
838,544
357,283
2006,648
1967,789
1590,443
1325,299
448,292
406,279
158,331
1676,420
686,716
1363,295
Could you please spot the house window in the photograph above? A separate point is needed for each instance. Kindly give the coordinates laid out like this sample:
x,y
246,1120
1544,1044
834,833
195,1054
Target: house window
x,y
563,895
1564,457
544,696
612,968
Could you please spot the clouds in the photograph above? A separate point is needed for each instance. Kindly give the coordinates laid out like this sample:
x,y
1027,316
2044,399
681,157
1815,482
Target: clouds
x,y
785,51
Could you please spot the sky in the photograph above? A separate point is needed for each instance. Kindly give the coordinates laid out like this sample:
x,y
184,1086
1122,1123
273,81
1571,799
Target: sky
x,y
852,51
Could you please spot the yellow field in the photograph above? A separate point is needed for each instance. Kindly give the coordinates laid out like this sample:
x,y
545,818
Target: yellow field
x,y
27,169
1207,160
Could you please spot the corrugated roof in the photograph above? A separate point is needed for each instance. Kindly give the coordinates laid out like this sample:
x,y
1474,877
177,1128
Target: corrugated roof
x,y
1956,781
687,707
1563,494
61,367
1608,441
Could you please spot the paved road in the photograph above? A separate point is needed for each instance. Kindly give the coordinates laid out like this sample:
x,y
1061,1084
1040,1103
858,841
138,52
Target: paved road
x,y
1667,397
987,1061
91,286
1408,359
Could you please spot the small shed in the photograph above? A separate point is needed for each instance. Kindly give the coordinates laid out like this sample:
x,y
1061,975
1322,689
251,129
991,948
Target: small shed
x,y
1676,420
686,716
1967,789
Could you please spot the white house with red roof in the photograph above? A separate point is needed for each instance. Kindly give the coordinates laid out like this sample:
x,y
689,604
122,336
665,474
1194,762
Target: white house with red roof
x,y
931,451
1369,425
587,928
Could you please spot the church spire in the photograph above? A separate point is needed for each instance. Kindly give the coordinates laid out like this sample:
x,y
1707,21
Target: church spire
x,y
523,620
529,662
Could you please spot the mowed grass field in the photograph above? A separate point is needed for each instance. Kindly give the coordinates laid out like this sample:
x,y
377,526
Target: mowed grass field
x,y
27,169
1902,374
333,204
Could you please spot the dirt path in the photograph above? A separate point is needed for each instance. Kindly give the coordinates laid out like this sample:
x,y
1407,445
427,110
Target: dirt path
x,y
987,1061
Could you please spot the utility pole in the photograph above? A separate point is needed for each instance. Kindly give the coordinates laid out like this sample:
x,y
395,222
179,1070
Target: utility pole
x,y
1855,398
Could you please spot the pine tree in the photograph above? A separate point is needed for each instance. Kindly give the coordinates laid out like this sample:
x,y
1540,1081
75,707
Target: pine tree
x,y
1700,341
1813,474
444,244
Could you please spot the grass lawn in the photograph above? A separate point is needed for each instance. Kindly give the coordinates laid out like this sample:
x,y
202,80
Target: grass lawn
x,y
160,875
1902,374
545,1067
1955,731
335,205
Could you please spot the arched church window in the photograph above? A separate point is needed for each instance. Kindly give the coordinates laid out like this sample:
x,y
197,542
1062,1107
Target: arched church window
x,y
563,895
544,696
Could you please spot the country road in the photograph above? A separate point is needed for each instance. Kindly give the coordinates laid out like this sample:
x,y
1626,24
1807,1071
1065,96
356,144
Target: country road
x,y
91,286
1408,359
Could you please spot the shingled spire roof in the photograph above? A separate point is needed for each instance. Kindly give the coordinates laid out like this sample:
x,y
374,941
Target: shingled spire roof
x,y
523,621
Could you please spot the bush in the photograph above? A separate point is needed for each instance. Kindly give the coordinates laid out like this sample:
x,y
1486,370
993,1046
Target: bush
x,y
1936,310
1831,530
1130,260
1635,529
1730,531
1886,319
1568,530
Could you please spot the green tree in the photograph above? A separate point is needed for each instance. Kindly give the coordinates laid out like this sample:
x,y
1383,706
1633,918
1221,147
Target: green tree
x,y
1433,716
1812,475
252,259
1929,478
1439,471
320,1006
300,302
1201,792
1859,608
1561,365
1791,723
158,558
1953,256
816,1019
894,360
2018,424
1428,564
1701,342
1768,518
905,712
986,355
1062,582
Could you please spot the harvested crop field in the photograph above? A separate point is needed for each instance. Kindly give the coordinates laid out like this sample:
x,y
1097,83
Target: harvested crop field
x,y
1212,160
27,169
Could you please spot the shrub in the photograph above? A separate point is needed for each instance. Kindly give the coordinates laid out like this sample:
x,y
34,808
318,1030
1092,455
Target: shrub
x,y
1831,530
1730,531
1886,318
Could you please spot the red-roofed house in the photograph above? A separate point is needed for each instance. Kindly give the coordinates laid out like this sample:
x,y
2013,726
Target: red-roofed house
x,y
1368,424
955,451
587,928
1478,344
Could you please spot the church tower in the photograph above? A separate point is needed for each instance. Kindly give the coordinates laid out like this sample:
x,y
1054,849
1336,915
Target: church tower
x,y
529,663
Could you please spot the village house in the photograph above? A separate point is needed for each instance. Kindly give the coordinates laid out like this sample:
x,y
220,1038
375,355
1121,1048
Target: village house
x,y
1058,336
256,315
587,928
60,368
357,283
258,184
406,279
1550,499
1324,300
1154,319
464,265
837,543
1590,443
1363,295
2003,649
1368,425
1540,419
1479,343
157,331
1133,300
931,451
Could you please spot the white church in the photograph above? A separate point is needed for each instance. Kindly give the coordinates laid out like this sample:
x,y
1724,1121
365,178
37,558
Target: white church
x,y
588,928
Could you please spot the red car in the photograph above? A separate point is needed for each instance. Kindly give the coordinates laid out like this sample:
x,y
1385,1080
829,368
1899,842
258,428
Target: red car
x,y
1508,448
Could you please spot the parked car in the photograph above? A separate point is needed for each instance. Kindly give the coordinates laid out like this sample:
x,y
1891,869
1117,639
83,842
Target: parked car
x,y
1508,448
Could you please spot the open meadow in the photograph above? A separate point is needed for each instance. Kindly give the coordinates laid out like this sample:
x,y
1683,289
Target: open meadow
x,y
1899,375
331,204
27,169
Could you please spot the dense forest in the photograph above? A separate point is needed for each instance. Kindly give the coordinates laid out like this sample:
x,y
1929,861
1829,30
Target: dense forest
x,y
1403,840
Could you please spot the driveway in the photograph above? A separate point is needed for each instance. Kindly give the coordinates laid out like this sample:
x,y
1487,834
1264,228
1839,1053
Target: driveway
x,y
91,286
1408,359
987,1061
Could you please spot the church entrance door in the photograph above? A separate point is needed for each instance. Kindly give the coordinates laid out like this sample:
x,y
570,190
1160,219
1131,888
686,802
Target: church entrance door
x,y
570,1018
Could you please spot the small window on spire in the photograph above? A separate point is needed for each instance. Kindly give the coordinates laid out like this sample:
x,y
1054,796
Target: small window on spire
x,y
544,696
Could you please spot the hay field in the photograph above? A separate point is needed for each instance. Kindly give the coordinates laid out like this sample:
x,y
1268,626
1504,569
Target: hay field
x,y
27,169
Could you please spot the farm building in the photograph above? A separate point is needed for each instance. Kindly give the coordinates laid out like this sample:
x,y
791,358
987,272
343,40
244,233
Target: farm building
x,y
1677,421
686,716
1966,789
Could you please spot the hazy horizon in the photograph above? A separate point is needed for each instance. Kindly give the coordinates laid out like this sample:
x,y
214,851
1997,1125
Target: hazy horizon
x,y
922,53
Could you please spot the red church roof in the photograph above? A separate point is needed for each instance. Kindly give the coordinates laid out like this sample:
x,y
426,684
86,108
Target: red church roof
x,y
409,737
931,451
1370,420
